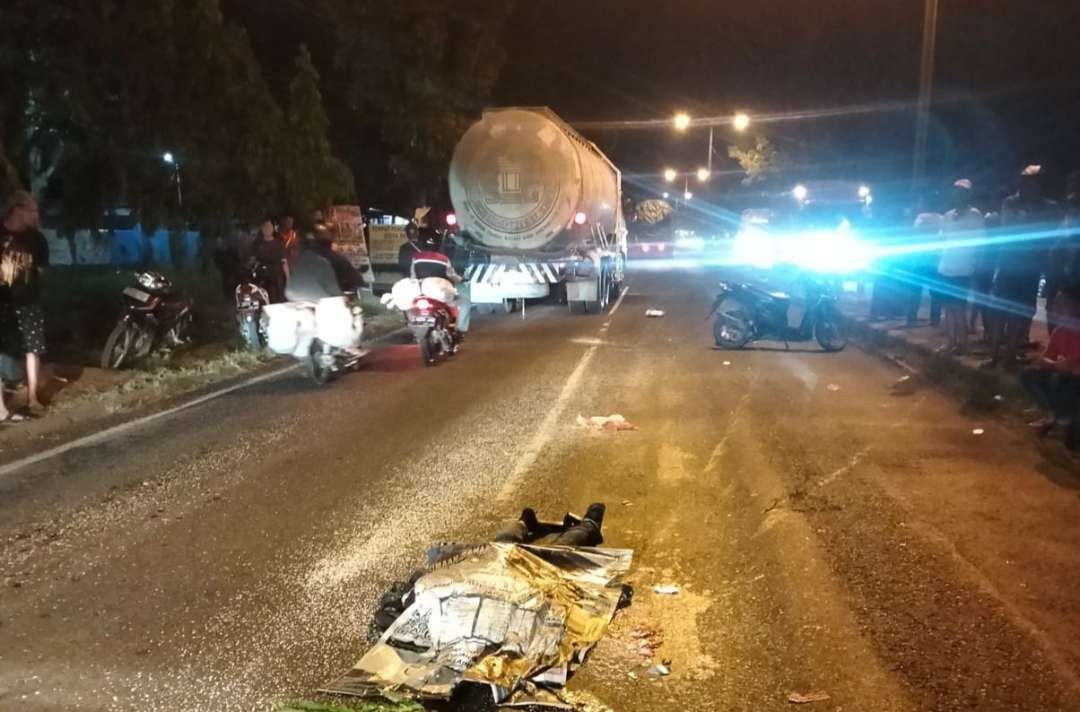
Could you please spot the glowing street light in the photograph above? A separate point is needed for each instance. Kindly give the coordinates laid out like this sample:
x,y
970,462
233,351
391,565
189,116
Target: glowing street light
x,y
740,122
687,195
800,192
702,175
670,174
666,195
681,121
864,191
170,159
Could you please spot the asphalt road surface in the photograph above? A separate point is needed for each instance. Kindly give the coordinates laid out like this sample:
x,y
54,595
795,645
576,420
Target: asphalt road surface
x,y
826,534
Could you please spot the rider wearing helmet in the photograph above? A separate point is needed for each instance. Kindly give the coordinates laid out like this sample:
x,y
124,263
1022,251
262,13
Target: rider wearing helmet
x,y
320,272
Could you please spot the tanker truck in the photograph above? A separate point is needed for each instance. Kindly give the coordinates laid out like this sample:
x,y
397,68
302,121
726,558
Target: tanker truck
x,y
540,209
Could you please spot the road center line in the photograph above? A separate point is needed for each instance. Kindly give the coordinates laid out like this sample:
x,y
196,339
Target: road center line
x,y
554,415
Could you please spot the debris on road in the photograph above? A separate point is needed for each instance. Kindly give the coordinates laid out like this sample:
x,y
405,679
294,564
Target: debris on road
x,y
658,671
611,423
999,398
517,617
727,363
906,385
800,698
666,589
977,431
645,640
832,387
654,313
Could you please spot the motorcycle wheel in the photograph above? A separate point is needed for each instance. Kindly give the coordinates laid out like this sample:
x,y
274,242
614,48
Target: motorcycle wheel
x,y
731,330
316,369
429,351
829,330
118,347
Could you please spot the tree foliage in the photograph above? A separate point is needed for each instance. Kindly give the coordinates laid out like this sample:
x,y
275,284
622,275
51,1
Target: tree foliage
x,y
102,89
758,161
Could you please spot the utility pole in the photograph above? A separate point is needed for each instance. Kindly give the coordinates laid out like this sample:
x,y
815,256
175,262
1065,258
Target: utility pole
x,y
926,90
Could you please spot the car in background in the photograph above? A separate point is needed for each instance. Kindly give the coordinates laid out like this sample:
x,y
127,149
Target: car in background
x,y
646,247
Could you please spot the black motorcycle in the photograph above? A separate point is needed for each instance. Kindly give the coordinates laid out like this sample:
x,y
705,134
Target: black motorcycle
x,y
154,316
252,294
746,313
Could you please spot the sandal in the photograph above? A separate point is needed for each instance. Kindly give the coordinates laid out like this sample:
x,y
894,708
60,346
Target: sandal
x,y
13,418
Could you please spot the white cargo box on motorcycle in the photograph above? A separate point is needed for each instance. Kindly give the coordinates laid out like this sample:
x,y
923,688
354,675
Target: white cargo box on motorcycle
x,y
406,290
289,328
292,326
337,323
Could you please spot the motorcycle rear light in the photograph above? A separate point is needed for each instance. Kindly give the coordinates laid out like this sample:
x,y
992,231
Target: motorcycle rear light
x,y
422,304
451,219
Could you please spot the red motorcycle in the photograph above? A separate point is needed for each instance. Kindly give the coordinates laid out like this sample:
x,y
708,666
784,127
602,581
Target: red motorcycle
x,y
433,325
154,315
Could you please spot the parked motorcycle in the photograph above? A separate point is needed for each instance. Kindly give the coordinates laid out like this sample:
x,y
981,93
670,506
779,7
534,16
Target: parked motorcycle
x,y
252,294
323,335
746,313
154,315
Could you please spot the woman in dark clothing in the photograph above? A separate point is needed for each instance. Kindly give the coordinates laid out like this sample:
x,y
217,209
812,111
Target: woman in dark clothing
x,y
24,255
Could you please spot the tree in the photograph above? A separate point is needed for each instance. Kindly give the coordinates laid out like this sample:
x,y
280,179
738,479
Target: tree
x,y
758,161
417,72
311,175
9,178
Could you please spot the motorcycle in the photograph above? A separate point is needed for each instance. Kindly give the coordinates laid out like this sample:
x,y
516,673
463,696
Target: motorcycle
x,y
432,323
746,313
323,335
154,315
252,294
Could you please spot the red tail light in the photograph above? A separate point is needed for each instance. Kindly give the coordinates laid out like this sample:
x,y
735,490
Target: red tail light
x,y
451,219
422,304
660,247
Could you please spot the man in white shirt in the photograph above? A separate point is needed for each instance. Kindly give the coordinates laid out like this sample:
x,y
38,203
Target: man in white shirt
x,y
962,228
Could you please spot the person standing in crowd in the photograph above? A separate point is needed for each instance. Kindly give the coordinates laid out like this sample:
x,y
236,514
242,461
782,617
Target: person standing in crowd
x,y
1054,383
1026,216
270,253
960,227
24,255
290,239
982,282
924,268
1063,266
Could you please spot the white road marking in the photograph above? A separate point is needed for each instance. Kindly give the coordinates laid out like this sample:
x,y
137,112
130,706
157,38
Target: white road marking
x,y
109,433
551,421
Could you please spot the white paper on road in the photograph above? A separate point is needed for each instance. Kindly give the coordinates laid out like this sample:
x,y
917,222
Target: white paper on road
x,y
516,617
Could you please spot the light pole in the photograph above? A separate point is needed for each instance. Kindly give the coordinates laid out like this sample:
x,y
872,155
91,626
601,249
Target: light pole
x,y
926,88
171,160
682,121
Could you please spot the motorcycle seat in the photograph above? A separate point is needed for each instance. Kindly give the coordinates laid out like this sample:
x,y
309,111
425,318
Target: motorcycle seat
x,y
777,295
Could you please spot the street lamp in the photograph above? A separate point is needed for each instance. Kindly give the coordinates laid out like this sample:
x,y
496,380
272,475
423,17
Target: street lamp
x,y
800,192
681,121
670,174
666,195
703,174
740,122
171,160
687,195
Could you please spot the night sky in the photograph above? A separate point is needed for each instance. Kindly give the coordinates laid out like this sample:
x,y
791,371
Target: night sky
x,y
1007,78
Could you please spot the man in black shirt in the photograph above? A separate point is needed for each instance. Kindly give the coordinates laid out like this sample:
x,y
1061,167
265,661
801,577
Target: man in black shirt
x,y
24,255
